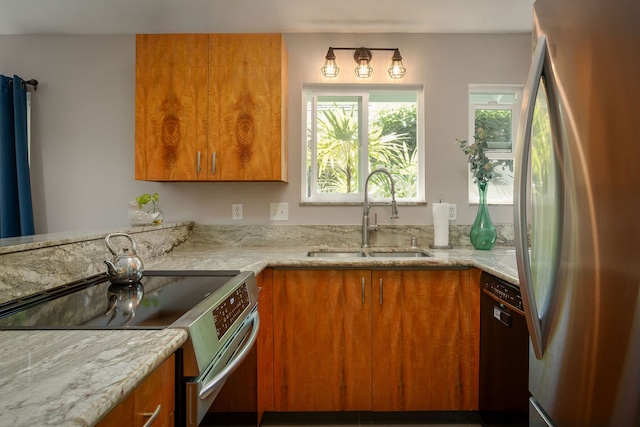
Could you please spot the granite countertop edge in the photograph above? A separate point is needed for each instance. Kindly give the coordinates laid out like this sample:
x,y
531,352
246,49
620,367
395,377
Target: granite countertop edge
x,y
76,377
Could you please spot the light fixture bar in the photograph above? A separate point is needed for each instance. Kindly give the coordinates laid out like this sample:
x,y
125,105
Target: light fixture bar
x,y
362,56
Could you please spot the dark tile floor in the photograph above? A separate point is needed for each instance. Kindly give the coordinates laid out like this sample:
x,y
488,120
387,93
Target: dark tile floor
x,y
352,419
380,419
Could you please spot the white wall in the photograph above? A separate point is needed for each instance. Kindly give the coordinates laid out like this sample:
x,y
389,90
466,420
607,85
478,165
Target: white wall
x,y
83,126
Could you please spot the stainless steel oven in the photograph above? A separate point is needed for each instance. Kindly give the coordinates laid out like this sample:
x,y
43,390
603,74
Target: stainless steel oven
x,y
218,309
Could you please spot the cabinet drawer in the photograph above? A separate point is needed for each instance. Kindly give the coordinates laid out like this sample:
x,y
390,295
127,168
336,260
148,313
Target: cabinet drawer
x,y
154,397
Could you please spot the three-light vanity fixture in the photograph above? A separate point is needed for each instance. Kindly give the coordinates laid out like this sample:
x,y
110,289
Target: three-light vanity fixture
x,y
362,56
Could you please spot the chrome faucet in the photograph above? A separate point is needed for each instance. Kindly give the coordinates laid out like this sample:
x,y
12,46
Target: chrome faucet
x,y
367,206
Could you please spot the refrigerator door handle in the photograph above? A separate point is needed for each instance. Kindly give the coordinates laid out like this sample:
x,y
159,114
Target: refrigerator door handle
x,y
523,153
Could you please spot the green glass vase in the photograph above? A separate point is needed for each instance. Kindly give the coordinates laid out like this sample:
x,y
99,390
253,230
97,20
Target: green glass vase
x,y
483,234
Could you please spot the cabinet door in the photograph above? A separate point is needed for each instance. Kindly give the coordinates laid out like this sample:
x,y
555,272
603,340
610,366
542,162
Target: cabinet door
x,y
322,340
420,337
171,106
248,107
155,394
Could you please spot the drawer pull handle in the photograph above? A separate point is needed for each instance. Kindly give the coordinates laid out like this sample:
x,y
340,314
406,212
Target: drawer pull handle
x,y
152,416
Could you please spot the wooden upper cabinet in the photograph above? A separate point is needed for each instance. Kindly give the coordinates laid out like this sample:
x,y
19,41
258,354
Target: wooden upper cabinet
x,y
211,107
171,106
248,95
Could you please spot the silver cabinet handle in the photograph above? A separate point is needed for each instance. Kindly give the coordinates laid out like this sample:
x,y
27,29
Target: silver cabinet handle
x,y
213,162
222,376
152,416
363,290
198,164
523,152
380,291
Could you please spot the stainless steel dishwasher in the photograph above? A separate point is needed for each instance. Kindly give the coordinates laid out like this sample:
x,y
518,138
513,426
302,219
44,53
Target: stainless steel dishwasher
x,y
504,349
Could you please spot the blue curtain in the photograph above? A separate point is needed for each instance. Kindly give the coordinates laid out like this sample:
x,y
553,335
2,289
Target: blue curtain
x,y
16,211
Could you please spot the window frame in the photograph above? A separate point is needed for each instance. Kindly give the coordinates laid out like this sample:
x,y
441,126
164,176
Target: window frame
x,y
493,154
364,91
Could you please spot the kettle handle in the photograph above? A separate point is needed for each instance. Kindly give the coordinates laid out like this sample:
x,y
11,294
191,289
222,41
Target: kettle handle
x,y
109,236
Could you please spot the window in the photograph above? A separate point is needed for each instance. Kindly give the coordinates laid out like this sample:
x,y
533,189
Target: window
x,y
496,109
353,130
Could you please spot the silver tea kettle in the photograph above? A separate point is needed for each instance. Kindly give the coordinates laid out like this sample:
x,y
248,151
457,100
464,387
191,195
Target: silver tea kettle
x,y
126,266
124,299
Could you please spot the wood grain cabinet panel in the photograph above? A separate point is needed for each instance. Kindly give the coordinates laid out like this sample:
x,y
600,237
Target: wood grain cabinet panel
x,y
265,343
211,107
421,341
322,340
248,107
156,393
171,106
404,340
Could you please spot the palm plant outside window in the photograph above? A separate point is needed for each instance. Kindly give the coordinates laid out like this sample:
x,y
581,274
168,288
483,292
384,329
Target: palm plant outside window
x,y
351,132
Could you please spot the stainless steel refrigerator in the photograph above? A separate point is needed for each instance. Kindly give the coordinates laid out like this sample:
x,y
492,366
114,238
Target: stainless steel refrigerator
x,y
577,213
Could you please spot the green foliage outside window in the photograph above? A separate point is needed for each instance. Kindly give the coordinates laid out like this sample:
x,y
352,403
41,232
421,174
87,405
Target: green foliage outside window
x,y
497,126
392,145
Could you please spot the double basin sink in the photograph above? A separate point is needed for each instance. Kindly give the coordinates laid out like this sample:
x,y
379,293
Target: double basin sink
x,y
368,254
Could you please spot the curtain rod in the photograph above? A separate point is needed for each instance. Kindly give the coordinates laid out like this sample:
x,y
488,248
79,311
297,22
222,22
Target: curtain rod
x,y
32,82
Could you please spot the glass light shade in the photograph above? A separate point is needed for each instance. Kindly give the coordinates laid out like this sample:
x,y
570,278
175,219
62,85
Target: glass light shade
x,y
363,70
330,68
397,70
362,56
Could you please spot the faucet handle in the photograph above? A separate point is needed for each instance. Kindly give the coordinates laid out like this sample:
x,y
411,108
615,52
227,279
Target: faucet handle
x,y
374,226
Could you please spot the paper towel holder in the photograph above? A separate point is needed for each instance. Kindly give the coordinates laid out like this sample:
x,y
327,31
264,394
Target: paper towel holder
x,y
432,246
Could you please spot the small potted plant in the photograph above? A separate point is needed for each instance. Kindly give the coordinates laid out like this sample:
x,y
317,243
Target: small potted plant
x,y
141,214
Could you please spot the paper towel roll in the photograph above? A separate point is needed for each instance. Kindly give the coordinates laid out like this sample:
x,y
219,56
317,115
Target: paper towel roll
x,y
441,224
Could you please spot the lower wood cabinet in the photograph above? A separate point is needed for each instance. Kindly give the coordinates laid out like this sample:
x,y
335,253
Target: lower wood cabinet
x,y
156,395
424,349
322,340
398,340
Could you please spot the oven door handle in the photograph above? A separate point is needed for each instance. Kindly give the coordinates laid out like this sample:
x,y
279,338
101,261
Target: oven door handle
x,y
222,376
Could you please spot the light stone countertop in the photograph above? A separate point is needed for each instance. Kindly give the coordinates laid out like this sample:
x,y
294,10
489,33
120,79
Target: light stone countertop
x,y
500,261
74,378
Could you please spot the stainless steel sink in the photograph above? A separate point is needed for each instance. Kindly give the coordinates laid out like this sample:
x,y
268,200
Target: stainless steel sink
x,y
363,254
399,254
344,254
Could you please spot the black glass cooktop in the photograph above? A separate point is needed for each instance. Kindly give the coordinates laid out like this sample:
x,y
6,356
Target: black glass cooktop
x,y
159,299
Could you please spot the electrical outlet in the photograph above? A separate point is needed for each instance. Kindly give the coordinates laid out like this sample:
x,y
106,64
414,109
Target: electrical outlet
x,y
279,211
453,212
236,211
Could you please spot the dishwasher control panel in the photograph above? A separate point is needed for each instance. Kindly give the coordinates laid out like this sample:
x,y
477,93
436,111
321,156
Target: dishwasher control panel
x,y
502,291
